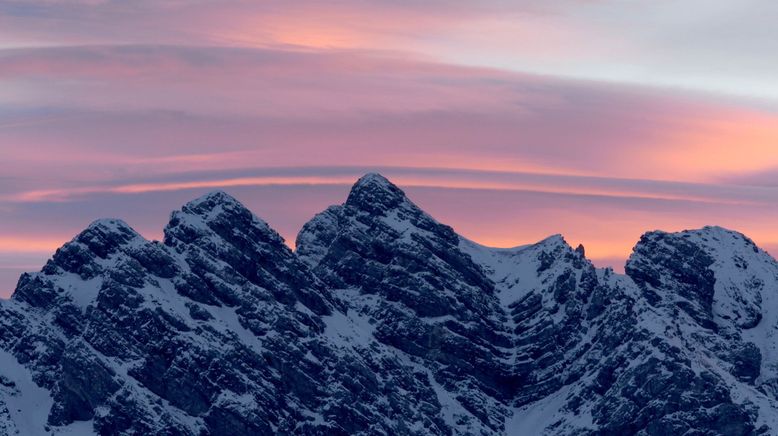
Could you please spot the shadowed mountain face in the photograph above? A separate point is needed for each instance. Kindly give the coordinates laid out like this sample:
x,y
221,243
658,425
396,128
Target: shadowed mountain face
x,y
385,321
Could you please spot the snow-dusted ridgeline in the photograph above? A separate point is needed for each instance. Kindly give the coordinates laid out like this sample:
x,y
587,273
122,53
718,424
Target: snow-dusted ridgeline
x,y
385,321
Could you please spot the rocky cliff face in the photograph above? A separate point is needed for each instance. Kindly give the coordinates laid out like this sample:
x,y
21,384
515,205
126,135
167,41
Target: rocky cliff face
x,y
385,321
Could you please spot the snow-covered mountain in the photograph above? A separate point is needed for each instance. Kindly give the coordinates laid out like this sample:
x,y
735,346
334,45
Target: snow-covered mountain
x,y
386,322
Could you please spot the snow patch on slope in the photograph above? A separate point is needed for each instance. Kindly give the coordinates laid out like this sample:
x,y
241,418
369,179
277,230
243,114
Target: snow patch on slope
x,y
514,271
536,418
352,329
746,290
25,403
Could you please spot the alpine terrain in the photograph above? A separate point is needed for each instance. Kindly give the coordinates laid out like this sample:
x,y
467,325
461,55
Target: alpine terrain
x,y
384,321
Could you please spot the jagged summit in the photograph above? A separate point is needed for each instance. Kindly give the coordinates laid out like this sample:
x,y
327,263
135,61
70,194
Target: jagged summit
x,y
714,234
214,203
110,224
217,213
105,227
106,234
212,198
380,205
553,240
372,177
374,193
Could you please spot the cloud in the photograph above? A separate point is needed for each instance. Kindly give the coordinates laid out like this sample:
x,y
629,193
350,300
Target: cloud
x,y
714,46
717,47
109,108
149,109
409,176
767,179
247,82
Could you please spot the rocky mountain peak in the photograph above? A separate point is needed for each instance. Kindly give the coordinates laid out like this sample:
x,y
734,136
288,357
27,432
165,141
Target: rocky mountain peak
x,y
671,269
219,234
375,194
553,241
722,239
105,235
110,225
218,215
210,201
85,253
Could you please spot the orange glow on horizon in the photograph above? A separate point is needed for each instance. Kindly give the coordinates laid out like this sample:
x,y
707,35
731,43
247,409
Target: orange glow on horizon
x,y
30,245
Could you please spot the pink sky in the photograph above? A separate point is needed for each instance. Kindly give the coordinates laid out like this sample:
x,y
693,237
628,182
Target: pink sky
x,y
510,121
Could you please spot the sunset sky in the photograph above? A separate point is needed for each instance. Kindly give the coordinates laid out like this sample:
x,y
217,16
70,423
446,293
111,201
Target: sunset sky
x,y
509,120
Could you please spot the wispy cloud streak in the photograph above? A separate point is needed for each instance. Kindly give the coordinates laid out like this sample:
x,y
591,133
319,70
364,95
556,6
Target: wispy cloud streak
x,y
446,178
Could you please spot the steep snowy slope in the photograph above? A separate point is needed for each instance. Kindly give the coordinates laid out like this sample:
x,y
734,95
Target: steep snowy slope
x,y
660,351
386,322
432,304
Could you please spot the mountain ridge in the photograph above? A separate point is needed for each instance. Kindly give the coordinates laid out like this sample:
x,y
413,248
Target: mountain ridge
x,y
385,321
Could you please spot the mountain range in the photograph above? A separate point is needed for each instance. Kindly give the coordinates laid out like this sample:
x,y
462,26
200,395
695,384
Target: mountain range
x,y
383,321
